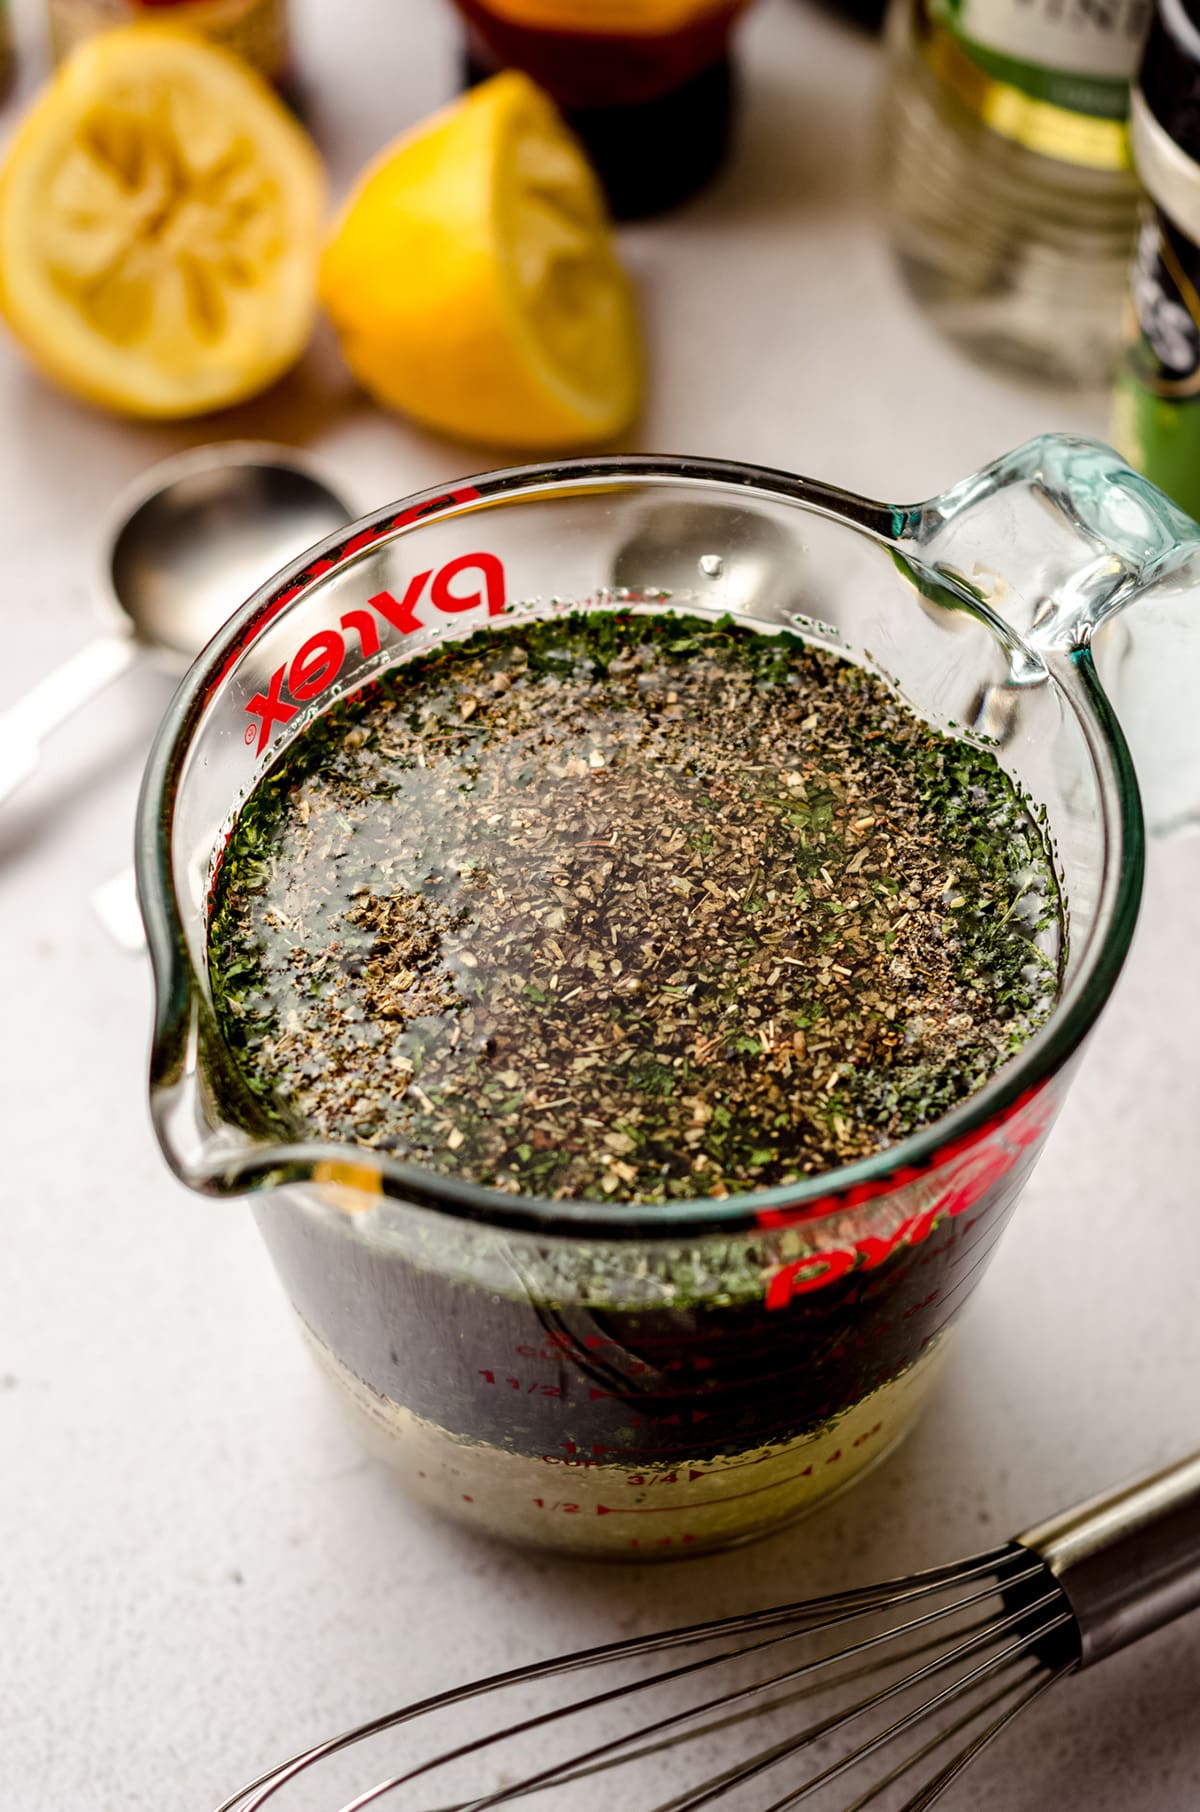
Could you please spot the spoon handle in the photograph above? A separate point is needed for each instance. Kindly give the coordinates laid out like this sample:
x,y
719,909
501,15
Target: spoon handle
x,y
53,699
116,906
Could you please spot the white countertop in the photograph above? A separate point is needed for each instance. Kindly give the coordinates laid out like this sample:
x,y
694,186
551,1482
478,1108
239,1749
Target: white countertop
x,y
199,1569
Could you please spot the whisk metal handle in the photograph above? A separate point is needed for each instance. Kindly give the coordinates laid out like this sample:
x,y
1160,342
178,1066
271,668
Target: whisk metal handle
x,y
1128,1561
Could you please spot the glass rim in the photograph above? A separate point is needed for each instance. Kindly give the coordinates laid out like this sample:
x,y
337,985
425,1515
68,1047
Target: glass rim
x,y
272,1163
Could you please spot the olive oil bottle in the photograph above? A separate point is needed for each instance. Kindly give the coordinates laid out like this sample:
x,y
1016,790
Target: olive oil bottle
x,y
1010,193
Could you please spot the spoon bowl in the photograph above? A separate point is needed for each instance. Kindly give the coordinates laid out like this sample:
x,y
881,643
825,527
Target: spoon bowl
x,y
195,536
201,531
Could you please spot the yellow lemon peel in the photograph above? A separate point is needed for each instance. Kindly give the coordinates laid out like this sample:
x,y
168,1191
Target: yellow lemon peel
x,y
473,282
160,224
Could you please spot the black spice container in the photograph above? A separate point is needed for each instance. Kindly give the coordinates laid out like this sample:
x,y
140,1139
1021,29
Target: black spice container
x,y
648,88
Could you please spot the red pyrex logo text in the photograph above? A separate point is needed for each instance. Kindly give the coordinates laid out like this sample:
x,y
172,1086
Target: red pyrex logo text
x,y
318,661
977,1163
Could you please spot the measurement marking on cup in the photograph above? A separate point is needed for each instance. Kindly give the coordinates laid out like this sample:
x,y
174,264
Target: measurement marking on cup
x,y
731,1497
529,1390
646,1481
712,1392
599,1449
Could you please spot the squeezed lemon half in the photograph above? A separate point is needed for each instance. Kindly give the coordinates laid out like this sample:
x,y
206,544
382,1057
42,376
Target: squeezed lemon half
x,y
160,224
473,282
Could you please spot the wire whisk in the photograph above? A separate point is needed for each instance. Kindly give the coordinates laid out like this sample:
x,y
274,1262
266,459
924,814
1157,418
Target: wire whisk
x,y
874,1698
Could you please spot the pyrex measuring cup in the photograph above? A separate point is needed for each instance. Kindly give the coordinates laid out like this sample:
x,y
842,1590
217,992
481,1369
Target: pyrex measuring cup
x,y
651,1380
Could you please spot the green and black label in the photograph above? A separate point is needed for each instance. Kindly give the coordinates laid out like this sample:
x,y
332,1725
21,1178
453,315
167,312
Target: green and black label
x,y
1164,349
1052,75
1078,54
1157,415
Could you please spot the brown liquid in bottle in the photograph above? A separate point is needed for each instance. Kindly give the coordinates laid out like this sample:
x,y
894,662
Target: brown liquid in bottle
x,y
652,107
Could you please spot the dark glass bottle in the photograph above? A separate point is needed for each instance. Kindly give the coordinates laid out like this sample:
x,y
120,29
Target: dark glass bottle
x,y
648,88
868,14
1158,395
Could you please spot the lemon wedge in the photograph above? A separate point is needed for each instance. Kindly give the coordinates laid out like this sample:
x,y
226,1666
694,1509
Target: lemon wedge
x,y
160,226
473,283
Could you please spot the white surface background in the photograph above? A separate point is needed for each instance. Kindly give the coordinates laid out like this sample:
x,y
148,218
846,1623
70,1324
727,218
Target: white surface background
x,y
198,1570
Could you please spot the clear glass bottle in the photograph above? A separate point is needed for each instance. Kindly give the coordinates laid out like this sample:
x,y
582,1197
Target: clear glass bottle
x,y
1010,194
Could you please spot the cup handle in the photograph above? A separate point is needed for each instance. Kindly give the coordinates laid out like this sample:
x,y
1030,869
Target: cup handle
x,y
1056,540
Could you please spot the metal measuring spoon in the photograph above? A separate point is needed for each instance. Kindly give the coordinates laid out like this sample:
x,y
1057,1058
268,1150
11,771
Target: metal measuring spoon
x,y
194,537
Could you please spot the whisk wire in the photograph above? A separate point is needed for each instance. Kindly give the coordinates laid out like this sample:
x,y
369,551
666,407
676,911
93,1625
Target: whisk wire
x,y
1015,1562
1010,1658
957,1654
934,1789
1016,1650
962,1651
555,1774
813,1687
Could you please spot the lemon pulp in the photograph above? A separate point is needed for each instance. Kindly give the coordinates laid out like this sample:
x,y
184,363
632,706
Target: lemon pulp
x,y
473,282
159,226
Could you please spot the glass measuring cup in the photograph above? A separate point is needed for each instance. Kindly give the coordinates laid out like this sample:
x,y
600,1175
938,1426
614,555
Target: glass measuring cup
x,y
655,1380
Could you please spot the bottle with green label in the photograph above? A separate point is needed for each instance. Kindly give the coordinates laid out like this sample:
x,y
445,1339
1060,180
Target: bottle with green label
x,y
1010,191
1157,419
